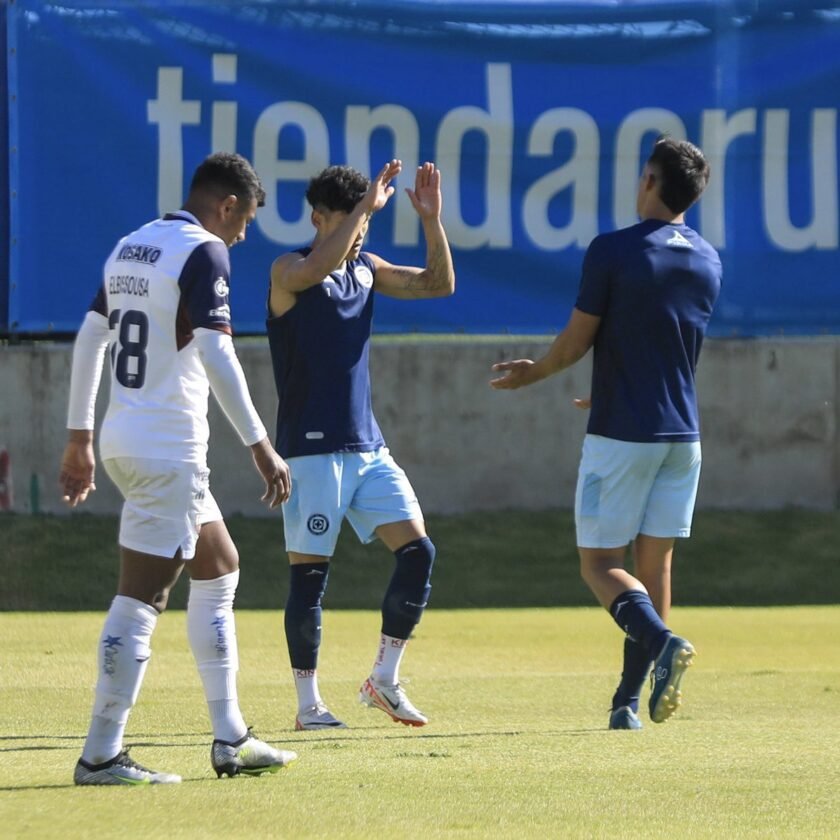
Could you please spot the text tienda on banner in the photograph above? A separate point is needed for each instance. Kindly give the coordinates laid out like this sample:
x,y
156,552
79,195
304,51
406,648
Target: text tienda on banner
x,y
494,126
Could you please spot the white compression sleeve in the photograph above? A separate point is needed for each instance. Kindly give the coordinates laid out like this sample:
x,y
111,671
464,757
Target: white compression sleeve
x,y
88,352
228,383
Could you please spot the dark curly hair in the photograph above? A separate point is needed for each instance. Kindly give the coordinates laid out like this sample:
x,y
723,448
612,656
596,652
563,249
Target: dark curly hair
x,y
682,171
337,188
225,173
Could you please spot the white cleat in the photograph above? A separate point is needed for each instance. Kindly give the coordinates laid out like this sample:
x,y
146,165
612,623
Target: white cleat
x,y
317,717
120,770
392,700
248,755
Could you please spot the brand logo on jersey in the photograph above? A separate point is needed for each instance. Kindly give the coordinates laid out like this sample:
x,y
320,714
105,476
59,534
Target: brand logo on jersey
x,y
364,276
139,253
221,312
318,524
122,284
220,287
677,240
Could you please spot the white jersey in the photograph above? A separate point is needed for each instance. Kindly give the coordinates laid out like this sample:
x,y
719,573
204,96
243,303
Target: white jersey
x,y
161,282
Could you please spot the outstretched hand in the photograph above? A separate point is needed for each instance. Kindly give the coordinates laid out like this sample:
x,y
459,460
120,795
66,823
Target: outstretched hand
x,y
78,464
517,373
425,197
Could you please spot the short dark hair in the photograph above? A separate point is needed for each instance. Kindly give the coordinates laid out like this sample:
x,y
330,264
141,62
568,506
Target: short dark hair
x,y
337,188
682,171
226,173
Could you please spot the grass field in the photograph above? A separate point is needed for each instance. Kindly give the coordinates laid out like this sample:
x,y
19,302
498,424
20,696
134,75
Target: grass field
x,y
516,746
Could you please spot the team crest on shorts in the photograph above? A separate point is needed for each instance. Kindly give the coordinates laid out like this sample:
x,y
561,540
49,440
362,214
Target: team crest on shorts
x,y
318,524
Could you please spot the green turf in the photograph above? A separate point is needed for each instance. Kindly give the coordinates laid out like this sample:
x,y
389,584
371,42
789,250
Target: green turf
x,y
484,560
516,746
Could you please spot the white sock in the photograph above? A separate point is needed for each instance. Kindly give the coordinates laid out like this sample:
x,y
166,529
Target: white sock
x,y
306,684
124,650
386,669
211,630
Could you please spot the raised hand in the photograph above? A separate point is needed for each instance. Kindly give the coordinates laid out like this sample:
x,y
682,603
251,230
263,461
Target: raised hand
x,y
380,189
425,197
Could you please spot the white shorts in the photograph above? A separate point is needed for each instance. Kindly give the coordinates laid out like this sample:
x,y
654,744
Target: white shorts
x,y
625,489
369,488
165,502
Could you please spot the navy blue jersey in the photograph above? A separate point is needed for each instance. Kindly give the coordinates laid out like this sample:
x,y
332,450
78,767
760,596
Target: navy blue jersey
x,y
654,286
319,351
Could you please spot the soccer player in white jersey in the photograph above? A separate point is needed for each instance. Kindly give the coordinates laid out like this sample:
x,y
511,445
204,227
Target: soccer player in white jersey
x,y
163,315
645,300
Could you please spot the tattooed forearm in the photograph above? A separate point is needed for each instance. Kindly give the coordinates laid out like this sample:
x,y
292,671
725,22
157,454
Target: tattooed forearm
x,y
437,274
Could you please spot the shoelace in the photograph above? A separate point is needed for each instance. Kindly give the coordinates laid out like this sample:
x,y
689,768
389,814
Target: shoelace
x,y
125,760
402,699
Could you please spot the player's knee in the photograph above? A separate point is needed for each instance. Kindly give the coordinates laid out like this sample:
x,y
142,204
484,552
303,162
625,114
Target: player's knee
x,y
595,566
155,597
417,558
410,588
307,585
160,599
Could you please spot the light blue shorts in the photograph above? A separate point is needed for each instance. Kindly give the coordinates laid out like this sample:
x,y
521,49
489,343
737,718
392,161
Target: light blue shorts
x,y
368,488
625,489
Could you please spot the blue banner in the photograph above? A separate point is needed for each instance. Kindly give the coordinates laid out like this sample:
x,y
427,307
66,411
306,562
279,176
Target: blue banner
x,y
540,133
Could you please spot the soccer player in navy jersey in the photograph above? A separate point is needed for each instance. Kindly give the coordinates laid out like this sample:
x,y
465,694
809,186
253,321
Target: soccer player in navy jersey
x,y
320,310
646,296
163,310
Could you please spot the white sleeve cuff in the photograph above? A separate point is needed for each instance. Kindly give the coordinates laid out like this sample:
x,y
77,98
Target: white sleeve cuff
x,y
88,352
227,380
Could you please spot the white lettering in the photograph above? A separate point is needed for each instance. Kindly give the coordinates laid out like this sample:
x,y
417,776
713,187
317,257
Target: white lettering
x,y
274,169
170,111
718,132
496,124
223,114
478,213
361,123
580,173
821,232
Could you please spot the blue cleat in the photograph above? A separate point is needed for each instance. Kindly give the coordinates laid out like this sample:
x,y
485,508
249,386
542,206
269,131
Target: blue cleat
x,y
624,718
668,670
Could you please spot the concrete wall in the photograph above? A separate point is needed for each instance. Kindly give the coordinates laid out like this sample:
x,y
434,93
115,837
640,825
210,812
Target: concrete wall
x,y
769,410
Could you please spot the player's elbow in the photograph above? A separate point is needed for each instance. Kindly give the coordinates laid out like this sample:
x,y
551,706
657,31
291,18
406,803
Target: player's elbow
x,y
445,286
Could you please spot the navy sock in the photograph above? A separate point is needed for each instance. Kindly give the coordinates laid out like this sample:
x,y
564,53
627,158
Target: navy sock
x,y
637,664
307,584
634,613
408,591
